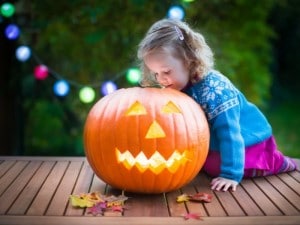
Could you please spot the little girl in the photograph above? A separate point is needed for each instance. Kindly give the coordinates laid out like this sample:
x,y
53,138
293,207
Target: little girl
x,y
174,56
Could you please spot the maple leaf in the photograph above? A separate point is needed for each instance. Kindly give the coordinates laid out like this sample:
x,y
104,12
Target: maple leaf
x,y
78,201
115,200
201,197
98,208
192,216
117,208
182,198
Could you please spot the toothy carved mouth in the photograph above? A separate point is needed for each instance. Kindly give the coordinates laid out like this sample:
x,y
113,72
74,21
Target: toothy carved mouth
x,y
156,163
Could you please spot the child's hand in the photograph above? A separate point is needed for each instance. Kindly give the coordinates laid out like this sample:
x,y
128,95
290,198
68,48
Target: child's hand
x,y
220,183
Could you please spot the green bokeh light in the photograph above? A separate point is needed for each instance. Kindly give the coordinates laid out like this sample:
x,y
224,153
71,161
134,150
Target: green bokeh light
x,y
87,94
7,9
133,75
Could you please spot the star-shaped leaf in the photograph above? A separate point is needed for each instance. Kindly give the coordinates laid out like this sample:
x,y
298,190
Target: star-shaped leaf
x,y
98,208
182,198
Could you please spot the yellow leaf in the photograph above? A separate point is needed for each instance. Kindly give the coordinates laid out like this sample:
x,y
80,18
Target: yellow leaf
x,y
82,202
182,198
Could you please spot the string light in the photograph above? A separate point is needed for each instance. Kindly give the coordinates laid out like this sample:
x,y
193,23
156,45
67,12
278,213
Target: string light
x,y
87,94
41,72
61,87
7,9
108,87
176,12
12,32
23,53
133,75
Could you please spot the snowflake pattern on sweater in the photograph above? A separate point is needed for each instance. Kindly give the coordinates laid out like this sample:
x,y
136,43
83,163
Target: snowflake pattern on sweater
x,y
215,94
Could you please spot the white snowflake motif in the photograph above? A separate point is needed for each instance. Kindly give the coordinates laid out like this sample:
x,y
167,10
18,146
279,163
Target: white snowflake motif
x,y
215,87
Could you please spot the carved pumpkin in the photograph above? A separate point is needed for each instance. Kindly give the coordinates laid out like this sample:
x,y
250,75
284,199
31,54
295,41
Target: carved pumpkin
x,y
146,140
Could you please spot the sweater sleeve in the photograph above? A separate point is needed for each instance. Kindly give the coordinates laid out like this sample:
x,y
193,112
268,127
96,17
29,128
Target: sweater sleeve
x,y
226,129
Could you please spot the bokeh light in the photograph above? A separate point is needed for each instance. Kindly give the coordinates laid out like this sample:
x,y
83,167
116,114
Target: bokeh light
x,y
41,72
87,94
61,88
23,53
176,12
7,9
133,75
108,87
12,32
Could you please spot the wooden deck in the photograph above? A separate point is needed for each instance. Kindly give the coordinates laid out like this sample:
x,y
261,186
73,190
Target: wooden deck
x,y
36,190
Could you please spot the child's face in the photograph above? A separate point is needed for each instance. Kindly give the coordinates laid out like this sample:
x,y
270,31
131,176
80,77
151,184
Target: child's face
x,y
169,71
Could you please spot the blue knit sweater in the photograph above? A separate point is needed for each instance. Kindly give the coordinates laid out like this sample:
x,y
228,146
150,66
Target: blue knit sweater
x,y
234,122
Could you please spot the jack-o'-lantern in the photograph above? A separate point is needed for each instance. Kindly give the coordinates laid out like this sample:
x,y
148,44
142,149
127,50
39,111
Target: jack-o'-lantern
x,y
146,140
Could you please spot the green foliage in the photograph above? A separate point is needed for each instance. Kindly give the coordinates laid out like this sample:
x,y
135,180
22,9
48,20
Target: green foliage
x,y
240,38
92,41
286,123
51,132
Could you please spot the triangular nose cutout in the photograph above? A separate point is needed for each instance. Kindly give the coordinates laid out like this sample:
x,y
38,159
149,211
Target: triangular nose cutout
x,y
155,131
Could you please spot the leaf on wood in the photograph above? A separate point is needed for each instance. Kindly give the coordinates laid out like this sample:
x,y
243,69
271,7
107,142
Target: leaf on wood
x,y
117,208
192,216
78,201
97,209
115,200
97,203
182,198
201,197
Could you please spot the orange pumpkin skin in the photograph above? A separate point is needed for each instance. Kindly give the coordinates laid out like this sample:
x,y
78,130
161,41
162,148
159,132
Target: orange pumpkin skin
x,y
146,140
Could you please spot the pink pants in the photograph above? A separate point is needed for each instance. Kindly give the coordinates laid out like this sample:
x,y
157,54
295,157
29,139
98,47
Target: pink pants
x,y
260,160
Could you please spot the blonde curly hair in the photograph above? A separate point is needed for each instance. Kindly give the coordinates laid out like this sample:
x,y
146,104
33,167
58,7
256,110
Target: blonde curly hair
x,y
185,44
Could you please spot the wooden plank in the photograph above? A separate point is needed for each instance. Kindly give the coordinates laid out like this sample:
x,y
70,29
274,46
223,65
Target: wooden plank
x,y
263,202
43,158
11,174
43,198
290,181
286,191
246,202
60,200
29,192
276,197
82,186
175,208
12,192
194,207
78,220
146,205
5,166
229,203
214,208
295,175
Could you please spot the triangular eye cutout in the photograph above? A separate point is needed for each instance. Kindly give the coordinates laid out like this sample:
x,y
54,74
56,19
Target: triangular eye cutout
x,y
170,107
155,131
136,109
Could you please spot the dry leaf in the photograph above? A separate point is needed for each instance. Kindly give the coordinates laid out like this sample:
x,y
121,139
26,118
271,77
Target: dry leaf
x,y
192,216
98,208
82,202
201,197
182,198
97,203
